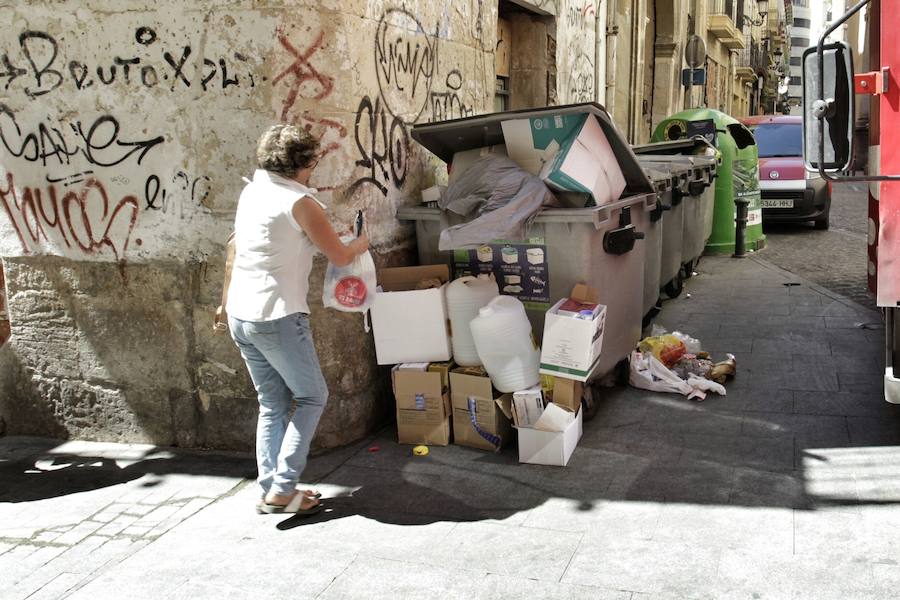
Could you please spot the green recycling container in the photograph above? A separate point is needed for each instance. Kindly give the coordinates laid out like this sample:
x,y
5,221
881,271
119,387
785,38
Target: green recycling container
x,y
738,175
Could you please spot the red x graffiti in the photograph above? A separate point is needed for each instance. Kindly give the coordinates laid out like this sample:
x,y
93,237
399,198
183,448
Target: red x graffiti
x,y
302,71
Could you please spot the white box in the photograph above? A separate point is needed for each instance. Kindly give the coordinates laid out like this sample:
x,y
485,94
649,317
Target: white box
x,y
528,405
411,325
571,347
545,448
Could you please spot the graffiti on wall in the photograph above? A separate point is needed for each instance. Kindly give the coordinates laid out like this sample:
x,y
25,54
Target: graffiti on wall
x,y
97,143
84,178
580,22
581,79
83,216
38,67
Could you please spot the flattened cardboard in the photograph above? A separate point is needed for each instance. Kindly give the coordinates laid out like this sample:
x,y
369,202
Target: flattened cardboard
x,y
411,325
418,424
490,411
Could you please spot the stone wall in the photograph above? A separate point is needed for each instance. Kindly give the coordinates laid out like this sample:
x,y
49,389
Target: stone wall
x,y
125,132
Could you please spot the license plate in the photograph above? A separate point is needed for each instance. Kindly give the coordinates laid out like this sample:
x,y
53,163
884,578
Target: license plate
x,y
778,203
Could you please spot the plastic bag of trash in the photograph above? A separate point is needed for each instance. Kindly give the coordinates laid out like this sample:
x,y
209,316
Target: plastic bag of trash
x,y
667,348
648,373
692,344
691,364
351,288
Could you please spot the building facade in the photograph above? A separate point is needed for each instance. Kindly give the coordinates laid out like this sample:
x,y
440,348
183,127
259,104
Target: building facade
x,y
127,128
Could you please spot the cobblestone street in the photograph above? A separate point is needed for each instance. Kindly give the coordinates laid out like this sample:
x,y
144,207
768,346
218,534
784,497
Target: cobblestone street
x,y
835,259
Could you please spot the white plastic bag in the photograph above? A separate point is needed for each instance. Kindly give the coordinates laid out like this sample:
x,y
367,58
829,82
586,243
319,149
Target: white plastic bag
x,y
692,345
648,373
351,288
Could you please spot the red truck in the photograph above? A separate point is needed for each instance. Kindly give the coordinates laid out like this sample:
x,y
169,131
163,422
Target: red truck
x,y
829,88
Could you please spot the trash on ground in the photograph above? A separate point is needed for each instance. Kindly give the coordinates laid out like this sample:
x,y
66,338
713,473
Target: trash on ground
x,y
667,348
420,451
675,363
723,370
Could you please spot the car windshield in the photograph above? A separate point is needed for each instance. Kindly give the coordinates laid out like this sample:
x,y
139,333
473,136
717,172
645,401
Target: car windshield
x,y
779,139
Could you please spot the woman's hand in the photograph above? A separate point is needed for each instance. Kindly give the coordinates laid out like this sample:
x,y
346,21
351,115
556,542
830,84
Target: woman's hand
x,y
360,244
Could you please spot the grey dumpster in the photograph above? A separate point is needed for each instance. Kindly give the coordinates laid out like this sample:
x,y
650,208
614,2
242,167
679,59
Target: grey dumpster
x,y
670,275
699,202
651,223
563,247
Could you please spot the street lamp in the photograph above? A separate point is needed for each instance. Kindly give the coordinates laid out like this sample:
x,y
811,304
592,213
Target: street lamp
x,y
762,9
779,83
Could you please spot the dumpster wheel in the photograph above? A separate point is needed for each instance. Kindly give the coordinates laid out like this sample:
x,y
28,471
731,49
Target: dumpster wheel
x,y
675,287
589,404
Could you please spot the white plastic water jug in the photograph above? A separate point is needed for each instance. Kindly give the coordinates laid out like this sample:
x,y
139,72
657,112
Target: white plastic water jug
x,y
502,335
465,296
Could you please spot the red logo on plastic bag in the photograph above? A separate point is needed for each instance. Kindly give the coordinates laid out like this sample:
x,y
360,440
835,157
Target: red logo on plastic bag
x,y
350,291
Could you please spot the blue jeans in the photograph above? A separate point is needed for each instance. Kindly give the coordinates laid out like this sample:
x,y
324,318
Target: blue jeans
x,y
284,368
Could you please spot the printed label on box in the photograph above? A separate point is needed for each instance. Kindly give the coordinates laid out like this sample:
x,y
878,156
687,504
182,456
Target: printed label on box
x,y
520,268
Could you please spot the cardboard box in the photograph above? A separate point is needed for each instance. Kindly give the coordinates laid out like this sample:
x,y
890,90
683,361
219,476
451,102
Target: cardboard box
x,y
586,163
549,448
421,367
423,408
411,325
571,346
491,412
567,393
527,406
444,369
532,143
569,152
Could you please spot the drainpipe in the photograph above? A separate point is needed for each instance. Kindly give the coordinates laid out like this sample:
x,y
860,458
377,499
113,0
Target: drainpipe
x,y
612,32
600,53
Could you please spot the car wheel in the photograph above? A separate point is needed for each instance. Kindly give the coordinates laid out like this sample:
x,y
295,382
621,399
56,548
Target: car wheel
x,y
822,224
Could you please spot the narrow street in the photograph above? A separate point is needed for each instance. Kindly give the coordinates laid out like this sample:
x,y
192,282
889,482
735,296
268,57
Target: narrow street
x,y
835,259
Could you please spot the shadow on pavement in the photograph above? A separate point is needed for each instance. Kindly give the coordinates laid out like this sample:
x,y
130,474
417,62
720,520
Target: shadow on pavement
x,y
38,472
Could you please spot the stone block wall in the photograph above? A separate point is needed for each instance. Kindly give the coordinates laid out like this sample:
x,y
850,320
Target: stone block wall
x,y
125,131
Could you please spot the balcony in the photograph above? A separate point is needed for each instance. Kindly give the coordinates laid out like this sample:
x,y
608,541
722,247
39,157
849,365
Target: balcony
x,y
720,23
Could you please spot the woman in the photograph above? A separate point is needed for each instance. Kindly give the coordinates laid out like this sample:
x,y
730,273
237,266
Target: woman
x,y
278,228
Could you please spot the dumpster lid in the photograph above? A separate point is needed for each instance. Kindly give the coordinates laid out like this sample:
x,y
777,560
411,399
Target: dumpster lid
x,y
445,138
674,147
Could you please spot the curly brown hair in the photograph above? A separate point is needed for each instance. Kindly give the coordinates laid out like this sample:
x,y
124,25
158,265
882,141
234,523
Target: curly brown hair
x,y
285,149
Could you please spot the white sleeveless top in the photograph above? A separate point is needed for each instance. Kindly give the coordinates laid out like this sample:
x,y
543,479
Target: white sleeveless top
x,y
273,256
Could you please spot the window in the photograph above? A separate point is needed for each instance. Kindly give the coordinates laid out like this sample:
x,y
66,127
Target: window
x,y
796,81
800,41
804,23
779,139
501,94
796,61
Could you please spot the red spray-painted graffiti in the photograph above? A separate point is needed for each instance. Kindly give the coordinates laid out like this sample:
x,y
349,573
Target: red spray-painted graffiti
x,y
302,71
79,220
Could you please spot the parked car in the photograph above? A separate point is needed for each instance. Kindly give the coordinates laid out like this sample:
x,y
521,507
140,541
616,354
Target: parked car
x,y
790,194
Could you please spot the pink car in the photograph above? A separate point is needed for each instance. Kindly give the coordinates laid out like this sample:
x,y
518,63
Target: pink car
x,y
790,194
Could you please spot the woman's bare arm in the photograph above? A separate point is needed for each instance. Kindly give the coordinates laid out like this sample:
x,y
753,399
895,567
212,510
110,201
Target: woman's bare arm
x,y
311,217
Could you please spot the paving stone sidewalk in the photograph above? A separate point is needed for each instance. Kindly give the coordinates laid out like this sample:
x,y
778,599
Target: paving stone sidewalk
x,y
785,488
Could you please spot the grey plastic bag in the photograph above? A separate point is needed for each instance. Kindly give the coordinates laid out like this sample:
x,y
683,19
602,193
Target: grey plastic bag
x,y
499,198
